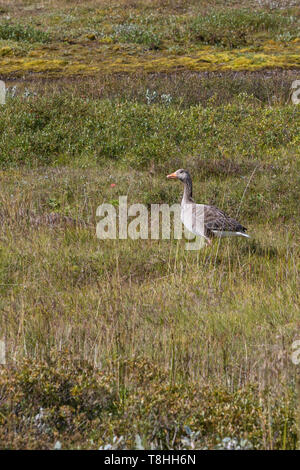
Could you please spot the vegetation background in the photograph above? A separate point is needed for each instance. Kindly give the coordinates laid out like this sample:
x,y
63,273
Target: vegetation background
x,y
141,344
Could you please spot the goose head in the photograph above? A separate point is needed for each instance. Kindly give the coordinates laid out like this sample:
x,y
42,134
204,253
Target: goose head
x,y
182,175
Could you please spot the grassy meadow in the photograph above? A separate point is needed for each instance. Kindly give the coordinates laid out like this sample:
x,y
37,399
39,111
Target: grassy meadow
x,y
141,343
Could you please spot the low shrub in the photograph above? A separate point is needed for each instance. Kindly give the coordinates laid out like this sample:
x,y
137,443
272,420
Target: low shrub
x,y
18,32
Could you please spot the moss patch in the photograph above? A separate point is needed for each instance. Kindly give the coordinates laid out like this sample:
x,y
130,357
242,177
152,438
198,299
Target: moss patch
x,y
81,59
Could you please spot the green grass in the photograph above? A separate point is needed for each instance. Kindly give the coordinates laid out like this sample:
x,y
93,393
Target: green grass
x,y
224,317
132,33
17,32
70,130
120,338
236,28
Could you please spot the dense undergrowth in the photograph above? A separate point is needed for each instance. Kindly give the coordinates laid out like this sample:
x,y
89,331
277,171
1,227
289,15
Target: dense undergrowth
x,y
73,403
70,130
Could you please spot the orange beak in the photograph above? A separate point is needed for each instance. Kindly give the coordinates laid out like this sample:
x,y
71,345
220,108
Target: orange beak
x,y
172,176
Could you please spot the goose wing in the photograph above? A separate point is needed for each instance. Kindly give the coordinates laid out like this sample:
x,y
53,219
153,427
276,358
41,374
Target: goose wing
x,y
203,220
216,220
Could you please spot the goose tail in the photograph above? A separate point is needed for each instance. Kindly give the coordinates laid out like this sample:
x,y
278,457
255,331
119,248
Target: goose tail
x,y
242,234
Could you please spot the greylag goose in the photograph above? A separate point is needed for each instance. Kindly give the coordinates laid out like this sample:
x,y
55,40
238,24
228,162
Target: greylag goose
x,y
202,220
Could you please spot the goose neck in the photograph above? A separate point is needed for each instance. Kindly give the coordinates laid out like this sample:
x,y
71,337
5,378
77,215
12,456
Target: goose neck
x,y
188,191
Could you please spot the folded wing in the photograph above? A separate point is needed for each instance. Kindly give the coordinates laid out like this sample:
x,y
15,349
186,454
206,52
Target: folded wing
x,y
203,220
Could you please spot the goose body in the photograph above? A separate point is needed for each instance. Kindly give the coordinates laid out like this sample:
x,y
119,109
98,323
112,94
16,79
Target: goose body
x,y
205,220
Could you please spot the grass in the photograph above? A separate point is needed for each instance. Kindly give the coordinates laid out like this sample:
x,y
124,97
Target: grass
x,y
18,32
134,34
69,129
238,28
132,343
268,87
66,39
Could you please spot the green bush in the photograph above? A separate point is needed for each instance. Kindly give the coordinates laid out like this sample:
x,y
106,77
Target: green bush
x,y
74,402
236,28
65,129
136,34
17,32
